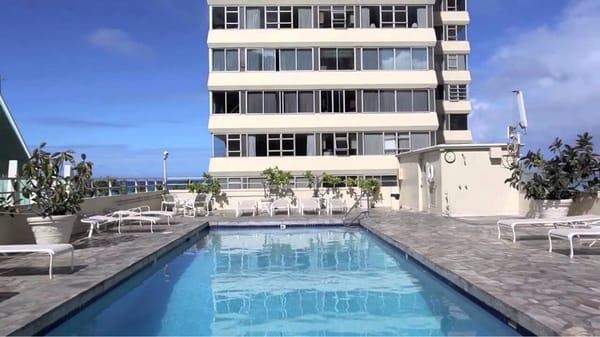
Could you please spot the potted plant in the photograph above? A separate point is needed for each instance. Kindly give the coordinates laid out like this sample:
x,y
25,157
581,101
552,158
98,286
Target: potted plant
x,y
56,197
276,182
573,171
210,186
371,188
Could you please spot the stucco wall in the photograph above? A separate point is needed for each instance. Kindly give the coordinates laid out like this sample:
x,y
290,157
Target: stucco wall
x,y
15,230
473,185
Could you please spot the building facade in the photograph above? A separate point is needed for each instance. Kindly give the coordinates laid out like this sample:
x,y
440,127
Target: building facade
x,y
333,86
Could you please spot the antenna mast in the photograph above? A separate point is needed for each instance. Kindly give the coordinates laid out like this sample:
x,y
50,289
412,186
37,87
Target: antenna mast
x,y
514,132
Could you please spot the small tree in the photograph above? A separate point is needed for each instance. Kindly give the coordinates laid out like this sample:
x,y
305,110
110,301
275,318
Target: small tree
x,y
277,182
332,183
571,172
370,188
312,183
7,205
49,190
208,185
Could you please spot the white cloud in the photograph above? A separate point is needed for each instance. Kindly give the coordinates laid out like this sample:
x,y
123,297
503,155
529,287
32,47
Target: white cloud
x,y
116,40
557,67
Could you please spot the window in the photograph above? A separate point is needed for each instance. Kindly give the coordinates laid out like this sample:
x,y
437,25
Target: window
x,y
280,145
420,100
225,17
260,59
271,102
398,59
255,17
303,17
456,62
396,101
456,33
370,59
254,102
338,101
369,17
373,144
302,101
279,17
386,59
419,140
295,59
219,146
370,101
390,145
457,122
336,17
290,102
336,58
234,145
225,102
306,101
455,5
393,16
417,17
218,17
457,92
225,60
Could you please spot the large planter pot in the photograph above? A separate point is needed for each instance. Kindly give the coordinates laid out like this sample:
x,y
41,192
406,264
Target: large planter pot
x,y
554,208
55,229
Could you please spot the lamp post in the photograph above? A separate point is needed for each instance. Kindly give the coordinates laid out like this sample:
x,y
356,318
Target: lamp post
x,y
165,157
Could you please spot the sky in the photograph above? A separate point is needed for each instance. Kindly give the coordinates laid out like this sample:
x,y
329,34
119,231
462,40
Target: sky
x,y
122,81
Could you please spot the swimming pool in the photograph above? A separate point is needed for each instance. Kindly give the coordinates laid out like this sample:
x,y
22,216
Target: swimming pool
x,y
302,281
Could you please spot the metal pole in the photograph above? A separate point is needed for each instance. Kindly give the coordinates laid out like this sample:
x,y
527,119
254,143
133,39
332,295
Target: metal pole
x,y
165,157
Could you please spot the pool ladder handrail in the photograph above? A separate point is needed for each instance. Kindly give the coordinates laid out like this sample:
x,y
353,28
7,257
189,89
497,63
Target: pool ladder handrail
x,y
364,212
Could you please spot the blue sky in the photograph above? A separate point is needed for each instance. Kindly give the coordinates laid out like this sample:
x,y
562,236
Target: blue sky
x,y
124,80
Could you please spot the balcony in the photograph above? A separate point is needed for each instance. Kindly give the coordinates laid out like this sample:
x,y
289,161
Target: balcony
x,y
448,107
250,80
457,137
364,37
456,77
375,165
259,123
453,47
452,18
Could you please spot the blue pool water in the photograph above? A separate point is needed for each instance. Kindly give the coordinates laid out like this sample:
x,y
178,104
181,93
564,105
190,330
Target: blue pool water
x,y
309,282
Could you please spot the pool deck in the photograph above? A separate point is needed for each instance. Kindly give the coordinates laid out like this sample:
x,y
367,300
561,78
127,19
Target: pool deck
x,y
546,293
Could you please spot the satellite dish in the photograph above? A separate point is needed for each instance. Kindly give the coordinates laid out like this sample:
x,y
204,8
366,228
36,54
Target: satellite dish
x,y
520,101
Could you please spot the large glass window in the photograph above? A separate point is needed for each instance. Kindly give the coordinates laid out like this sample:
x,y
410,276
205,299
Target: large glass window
x,y
260,59
271,102
336,58
370,101
417,17
419,140
457,92
396,101
336,17
456,33
306,101
420,100
455,5
338,101
287,59
303,17
254,102
219,146
370,17
456,62
457,122
304,59
279,17
234,145
225,17
225,102
255,17
395,58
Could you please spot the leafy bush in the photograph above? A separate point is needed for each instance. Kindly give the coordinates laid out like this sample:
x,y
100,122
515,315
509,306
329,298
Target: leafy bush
x,y
571,172
277,182
49,190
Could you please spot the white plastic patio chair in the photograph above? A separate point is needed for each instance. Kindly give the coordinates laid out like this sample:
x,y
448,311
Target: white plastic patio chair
x,y
569,234
336,205
311,205
280,204
570,221
200,203
246,206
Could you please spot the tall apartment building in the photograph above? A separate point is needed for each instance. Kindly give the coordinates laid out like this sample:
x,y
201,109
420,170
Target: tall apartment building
x,y
333,85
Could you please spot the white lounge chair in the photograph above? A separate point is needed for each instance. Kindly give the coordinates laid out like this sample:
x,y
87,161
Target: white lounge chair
x,y
512,224
51,249
200,203
246,206
135,215
336,205
310,204
280,204
96,221
592,233
147,211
